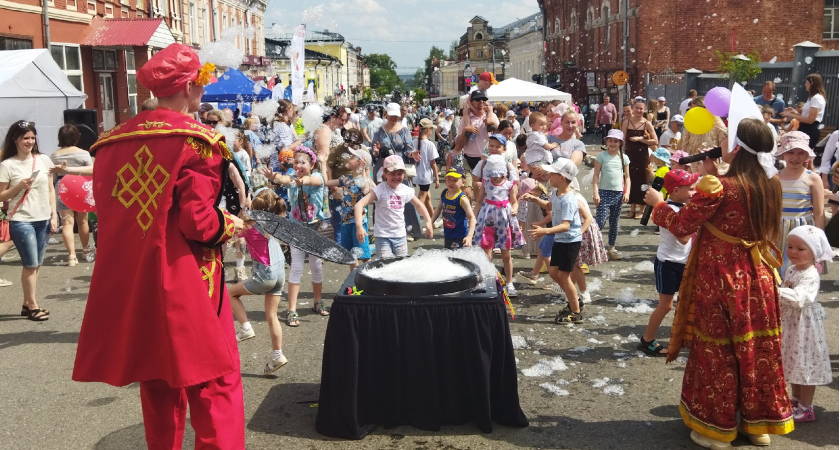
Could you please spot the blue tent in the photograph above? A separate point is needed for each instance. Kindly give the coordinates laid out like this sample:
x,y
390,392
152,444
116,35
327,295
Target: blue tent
x,y
233,86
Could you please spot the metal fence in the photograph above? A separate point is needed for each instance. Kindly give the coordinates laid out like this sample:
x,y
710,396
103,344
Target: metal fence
x,y
826,64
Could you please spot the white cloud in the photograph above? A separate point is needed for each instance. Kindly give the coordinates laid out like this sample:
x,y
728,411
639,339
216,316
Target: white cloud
x,y
376,25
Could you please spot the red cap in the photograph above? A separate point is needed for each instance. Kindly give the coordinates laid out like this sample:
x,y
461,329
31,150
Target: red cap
x,y
170,70
677,178
487,76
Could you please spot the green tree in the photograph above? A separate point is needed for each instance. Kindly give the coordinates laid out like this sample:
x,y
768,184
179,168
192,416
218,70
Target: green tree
x,y
434,53
420,95
739,69
383,73
453,51
367,95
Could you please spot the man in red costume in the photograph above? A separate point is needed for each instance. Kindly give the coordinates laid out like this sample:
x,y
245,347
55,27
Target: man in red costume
x,y
158,312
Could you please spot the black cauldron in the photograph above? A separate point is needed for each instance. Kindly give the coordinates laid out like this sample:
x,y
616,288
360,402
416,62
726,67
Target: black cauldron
x,y
417,289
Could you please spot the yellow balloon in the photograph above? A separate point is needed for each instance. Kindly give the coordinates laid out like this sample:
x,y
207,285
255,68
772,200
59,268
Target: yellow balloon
x,y
699,120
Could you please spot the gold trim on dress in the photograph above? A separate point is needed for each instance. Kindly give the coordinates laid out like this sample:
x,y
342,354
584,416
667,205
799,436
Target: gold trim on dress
x,y
134,186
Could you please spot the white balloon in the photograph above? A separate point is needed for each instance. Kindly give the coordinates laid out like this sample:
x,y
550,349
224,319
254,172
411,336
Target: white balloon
x,y
311,117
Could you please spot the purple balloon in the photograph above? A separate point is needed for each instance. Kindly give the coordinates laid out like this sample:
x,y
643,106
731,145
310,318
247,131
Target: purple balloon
x,y
717,101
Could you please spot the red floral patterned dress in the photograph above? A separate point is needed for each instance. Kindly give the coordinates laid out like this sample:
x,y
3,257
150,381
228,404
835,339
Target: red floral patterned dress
x,y
729,316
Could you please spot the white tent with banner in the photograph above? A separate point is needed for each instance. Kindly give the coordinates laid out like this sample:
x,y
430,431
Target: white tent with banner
x,y
515,90
33,88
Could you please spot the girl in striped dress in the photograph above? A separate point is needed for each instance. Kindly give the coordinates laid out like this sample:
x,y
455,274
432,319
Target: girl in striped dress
x,y
802,190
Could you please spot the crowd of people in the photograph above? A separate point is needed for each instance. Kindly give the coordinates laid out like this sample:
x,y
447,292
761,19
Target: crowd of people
x,y
511,183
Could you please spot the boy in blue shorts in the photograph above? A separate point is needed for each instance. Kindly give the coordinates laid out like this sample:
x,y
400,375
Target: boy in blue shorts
x,y
670,260
567,231
458,217
353,188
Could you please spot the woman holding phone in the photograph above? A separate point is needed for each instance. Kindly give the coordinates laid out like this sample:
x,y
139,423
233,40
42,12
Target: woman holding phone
x,y
25,183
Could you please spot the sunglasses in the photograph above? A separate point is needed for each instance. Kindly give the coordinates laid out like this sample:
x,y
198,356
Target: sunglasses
x,y
25,124
211,122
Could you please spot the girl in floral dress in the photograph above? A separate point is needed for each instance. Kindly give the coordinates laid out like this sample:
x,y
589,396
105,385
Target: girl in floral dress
x,y
496,224
804,348
728,313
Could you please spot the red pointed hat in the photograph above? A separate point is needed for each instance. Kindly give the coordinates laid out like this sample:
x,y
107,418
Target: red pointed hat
x,y
170,70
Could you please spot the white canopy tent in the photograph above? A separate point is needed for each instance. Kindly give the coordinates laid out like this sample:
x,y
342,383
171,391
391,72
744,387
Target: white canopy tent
x,y
515,90
33,88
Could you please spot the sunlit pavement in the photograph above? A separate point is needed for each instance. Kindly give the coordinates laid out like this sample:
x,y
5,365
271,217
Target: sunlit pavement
x,y
615,398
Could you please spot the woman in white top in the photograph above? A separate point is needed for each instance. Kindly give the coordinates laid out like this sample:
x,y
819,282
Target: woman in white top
x,y
67,157
812,111
25,183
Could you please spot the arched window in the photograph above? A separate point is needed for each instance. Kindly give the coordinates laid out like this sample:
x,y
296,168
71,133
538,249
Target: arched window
x,y
573,21
605,13
557,26
479,36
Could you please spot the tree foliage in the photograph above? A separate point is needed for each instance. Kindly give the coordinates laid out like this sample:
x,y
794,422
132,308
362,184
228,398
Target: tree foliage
x,y
420,95
383,73
739,70
434,53
453,51
367,95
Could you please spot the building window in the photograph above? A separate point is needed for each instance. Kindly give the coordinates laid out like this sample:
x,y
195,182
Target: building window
x,y
140,4
69,59
71,4
91,8
573,21
479,36
605,11
105,60
124,2
830,22
109,11
131,74
557,26
124,13
204,25
193,23
7,43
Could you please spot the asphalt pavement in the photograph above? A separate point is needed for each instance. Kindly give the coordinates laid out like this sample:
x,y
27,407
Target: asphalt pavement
x,y
606,395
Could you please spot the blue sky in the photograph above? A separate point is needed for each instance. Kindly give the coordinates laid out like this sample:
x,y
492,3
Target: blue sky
x,y
403,29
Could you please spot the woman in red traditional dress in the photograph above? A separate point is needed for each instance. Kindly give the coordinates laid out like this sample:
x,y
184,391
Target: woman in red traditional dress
x,y
728,313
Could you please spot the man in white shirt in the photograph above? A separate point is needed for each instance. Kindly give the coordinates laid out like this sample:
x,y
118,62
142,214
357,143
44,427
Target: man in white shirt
x,y
672,135
525,111
370,124
692,94
829,157
511,116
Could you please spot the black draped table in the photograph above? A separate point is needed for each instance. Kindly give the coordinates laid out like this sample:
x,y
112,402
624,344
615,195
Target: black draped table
x,y
424,362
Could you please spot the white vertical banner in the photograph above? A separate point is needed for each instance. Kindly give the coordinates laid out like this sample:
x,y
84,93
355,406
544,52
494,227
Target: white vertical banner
x,y
298,66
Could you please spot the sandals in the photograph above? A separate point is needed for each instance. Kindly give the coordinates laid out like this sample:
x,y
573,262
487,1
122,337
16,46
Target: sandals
x,y
292,317
638,216
652,348
24,311
631,214
37,315
72,261
321,308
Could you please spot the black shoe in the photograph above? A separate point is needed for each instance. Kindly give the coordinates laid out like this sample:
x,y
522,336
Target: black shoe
x,y
567,316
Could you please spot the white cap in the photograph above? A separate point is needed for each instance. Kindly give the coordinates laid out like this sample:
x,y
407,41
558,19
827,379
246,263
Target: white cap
x,y
495,166
661,99
363,154
510,113
393,109
563,167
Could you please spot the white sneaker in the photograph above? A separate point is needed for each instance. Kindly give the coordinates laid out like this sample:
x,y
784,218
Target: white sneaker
x,y
241,274
526,275
511,291
438,223
242,335
614,254
409,238
525,255
275,364
584,297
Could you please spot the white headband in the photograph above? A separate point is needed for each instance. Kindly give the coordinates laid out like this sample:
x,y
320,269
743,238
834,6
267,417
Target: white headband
x,y
767,161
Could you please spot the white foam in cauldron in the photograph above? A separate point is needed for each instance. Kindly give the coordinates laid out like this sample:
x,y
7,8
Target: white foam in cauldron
x,y
424,268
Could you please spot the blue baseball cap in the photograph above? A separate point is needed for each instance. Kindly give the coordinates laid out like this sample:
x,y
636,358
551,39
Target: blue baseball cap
x,y
663,155
455,172
500,138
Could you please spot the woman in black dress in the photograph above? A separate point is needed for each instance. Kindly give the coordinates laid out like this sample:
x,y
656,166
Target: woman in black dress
x,y
639,134
663,116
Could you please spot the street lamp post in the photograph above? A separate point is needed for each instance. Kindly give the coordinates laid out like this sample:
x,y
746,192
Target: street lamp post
x,y
467,73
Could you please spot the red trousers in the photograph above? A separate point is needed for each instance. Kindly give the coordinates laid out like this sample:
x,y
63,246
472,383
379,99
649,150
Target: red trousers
x,y
217,413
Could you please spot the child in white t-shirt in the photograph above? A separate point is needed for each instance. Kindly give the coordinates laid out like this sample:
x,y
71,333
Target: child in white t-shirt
x,y
538,152
390,198
426,167
669,264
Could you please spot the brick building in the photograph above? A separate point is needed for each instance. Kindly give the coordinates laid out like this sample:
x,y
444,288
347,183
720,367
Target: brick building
x,y
100,44
585,38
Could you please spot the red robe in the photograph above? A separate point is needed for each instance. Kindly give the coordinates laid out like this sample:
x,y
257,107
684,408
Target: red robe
x,y
158,308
